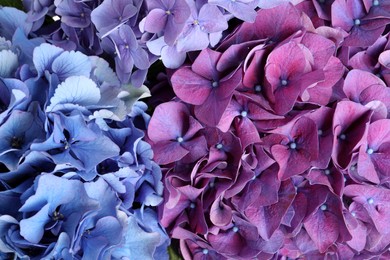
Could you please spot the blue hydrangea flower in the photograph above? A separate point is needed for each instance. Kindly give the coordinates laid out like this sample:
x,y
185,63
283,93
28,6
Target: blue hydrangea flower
x,y
77,181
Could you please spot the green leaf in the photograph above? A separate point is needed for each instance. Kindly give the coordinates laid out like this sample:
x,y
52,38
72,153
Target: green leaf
x,y
172,254
14,3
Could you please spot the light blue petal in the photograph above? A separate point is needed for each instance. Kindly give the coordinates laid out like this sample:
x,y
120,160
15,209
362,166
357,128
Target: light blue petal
x,y
32,228
102,72
106,233
60,249
8,63
11,19
43,57
139,244
25,46
78,90
71,64
87,152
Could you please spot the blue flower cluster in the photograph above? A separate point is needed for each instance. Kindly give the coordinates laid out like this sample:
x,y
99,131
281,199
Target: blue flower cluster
x,y
76,179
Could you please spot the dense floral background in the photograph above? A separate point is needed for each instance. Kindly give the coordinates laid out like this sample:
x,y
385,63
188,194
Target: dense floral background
x,y
194,129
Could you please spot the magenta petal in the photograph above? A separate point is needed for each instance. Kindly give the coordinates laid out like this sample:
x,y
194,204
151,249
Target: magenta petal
x,y
231,111
322,227
375,201
167,122
365,167
278,23
205,64
268,218
220,214
291,162
358,231
210,112
358,80
191,87
349,125
246,131
167,151
229,243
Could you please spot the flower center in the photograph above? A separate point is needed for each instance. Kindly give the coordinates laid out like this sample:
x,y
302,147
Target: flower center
x,y
284,82
168,12
324,207
370,201
257,88
195,22
235,229
327,171
342,136
244,113
219,146
375,2
370,151
82,15
293,145
192,205
57,216
320,132
16,142
215,84
357,22
180,139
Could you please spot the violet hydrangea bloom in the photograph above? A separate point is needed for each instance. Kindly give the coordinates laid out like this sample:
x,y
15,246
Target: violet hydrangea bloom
x,y
295,165
167,16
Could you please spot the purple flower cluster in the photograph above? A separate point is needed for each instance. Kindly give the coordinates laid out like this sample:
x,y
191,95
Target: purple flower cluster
x,y
133,33
76,179
97,27
276,143
181,26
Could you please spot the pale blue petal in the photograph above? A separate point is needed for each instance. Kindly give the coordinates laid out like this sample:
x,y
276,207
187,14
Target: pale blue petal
x,y
25,47
139,244
32,228
102,72
78,90
72,64
43,57
8,63
11,19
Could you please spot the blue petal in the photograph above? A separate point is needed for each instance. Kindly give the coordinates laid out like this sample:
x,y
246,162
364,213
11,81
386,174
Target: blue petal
x,y
25,46
106,233
60,249
102,192
102,71
138,243
151,223
6,222
11,19
32,229
78,90
8,63
43,57
71,64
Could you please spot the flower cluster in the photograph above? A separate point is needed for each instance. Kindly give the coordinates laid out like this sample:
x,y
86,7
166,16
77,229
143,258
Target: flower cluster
x,y
76,179
96,27
167,29
277,141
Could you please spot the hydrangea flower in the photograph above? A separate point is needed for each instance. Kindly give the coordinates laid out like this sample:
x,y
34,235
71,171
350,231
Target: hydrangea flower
x,y
77,180
296,156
